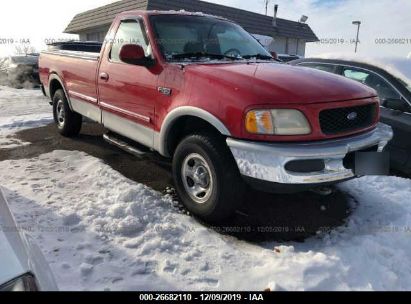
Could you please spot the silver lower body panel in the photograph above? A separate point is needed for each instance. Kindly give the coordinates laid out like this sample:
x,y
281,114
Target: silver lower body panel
x,y
267,161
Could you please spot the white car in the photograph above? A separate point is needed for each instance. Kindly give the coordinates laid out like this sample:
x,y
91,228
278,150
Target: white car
x,y
22,265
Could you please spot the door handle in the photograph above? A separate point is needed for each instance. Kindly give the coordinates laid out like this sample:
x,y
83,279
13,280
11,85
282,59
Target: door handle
x,y
104,76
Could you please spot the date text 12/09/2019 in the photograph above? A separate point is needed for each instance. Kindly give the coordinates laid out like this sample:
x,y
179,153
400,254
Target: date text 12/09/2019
x,y
237,297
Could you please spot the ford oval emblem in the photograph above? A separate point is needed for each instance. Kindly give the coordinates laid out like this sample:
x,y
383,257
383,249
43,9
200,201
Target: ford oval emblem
x,y
352,116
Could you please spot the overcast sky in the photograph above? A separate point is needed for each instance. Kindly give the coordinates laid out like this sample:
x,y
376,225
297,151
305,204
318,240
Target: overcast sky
x,y
330,19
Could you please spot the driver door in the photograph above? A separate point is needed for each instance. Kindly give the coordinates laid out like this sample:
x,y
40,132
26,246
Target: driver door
x,y
127,92
400,146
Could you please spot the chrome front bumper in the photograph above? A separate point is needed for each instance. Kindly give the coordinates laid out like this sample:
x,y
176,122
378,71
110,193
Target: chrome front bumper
x,y
267,161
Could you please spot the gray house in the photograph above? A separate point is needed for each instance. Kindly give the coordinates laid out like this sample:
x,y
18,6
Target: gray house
x,y
279,35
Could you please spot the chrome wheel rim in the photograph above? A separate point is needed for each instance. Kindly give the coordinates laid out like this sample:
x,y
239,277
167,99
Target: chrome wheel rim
x,y
197,178
60,113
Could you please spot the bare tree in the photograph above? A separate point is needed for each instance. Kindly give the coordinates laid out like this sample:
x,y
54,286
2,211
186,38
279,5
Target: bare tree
x,y
24,49
2,63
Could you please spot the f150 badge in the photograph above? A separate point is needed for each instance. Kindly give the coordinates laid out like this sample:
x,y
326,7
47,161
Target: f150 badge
x,y
165,91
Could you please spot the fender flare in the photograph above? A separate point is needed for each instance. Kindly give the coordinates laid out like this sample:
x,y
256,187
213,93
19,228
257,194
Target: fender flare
x,y
54,76
161,142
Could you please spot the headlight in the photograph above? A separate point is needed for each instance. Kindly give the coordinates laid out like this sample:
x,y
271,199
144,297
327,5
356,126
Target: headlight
x,y
23,283
277,122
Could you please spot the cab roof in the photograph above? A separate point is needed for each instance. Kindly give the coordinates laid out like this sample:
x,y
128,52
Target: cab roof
x,y
156,13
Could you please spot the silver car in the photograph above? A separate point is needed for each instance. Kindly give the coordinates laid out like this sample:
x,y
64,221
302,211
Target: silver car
x,y
18,70
22,265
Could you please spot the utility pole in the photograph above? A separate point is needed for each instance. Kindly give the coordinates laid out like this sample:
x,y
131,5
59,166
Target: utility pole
x,y
267,2
358,24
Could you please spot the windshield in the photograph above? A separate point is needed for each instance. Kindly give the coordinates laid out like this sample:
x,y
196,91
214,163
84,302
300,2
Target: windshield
x,y
400,68
202,37
405,84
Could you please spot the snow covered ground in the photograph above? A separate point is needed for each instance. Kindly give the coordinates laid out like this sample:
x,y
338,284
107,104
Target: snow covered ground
x,y
20,109
102,231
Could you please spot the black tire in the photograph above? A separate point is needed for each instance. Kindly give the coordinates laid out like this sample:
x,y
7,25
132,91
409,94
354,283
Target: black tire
x,y
227,185
70,124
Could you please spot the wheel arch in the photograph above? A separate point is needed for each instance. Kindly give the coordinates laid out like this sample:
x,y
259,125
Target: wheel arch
x,y
166,142
56,83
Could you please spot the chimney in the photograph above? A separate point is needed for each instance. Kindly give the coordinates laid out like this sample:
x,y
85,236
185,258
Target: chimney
x,y
275,15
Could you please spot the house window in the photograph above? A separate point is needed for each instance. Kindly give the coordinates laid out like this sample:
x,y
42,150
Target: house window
x,y
97,36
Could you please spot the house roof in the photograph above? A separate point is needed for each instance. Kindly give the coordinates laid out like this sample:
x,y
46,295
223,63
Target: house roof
x,y
252,22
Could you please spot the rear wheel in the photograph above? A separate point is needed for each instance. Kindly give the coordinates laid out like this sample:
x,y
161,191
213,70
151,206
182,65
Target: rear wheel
x,y
206,177
68,122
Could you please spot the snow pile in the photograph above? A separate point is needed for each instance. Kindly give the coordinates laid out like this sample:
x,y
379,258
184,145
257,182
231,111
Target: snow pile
x,y
101,231
21,109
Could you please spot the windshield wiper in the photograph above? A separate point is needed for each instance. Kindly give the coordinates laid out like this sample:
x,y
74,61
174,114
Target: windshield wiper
x,y
203,54
258,56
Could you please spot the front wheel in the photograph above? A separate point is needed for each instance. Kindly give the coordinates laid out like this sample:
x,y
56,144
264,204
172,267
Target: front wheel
x,y
68,122
206,177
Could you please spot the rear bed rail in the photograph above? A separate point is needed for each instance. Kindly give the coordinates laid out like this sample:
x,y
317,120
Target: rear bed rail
x,y
81,50
74,54
77,46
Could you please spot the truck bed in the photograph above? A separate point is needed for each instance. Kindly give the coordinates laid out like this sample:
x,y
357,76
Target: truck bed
x,y
76,64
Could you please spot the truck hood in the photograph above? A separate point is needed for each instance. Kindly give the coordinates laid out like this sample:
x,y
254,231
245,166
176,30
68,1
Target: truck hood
x,y
280,83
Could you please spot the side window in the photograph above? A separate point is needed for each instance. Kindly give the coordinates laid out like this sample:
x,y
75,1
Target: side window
x,y
129,32
356,75
319,66
384,89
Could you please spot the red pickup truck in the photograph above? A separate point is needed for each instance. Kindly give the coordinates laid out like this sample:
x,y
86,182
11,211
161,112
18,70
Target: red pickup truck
x,y
201,90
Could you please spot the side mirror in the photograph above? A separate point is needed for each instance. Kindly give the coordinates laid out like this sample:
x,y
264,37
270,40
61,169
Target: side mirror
x,y
134,54
396,104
